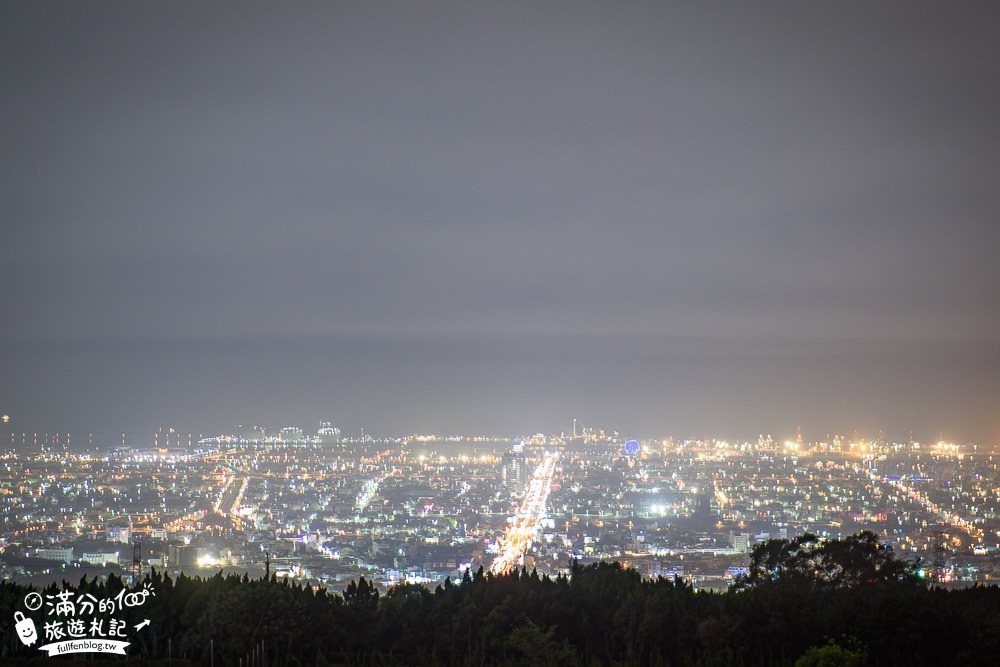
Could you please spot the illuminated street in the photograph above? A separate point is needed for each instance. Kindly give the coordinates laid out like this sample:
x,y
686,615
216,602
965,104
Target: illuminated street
x,y
521,531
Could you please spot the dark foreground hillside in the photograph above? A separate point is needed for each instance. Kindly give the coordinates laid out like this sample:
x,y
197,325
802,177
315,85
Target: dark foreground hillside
x,y
801,605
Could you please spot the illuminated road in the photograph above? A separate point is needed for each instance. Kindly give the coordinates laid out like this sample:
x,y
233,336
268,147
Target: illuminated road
x,y
227,495
915,495
521,530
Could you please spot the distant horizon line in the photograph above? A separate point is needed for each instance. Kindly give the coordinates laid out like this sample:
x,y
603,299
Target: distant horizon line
x,y
68,438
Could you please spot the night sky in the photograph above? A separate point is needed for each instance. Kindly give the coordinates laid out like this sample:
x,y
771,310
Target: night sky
x,y
687,219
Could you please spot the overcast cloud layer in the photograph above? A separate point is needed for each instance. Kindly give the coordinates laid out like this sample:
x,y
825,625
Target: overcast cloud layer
x,y
698,219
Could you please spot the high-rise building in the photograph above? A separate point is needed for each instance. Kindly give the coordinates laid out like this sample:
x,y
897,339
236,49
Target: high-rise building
x,y
514,471
327,433
290,434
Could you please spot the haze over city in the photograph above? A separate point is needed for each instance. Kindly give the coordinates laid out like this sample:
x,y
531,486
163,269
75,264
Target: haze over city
x,y
690,220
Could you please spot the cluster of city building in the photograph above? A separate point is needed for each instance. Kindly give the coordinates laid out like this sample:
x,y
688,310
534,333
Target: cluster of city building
x,y
326,509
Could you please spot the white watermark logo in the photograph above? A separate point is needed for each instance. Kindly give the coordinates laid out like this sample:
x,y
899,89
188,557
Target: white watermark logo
x,y
86,646
79,622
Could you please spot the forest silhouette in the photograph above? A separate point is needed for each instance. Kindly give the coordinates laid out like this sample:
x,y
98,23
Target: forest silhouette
x,y
804,602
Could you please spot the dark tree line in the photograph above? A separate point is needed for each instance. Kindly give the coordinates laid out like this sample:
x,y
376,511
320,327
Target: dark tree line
x,y
804,602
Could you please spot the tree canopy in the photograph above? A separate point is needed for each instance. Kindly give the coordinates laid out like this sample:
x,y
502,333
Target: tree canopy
x,y
857,560
600,614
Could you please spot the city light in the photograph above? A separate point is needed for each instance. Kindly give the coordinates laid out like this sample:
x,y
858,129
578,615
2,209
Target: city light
x,y
408,509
